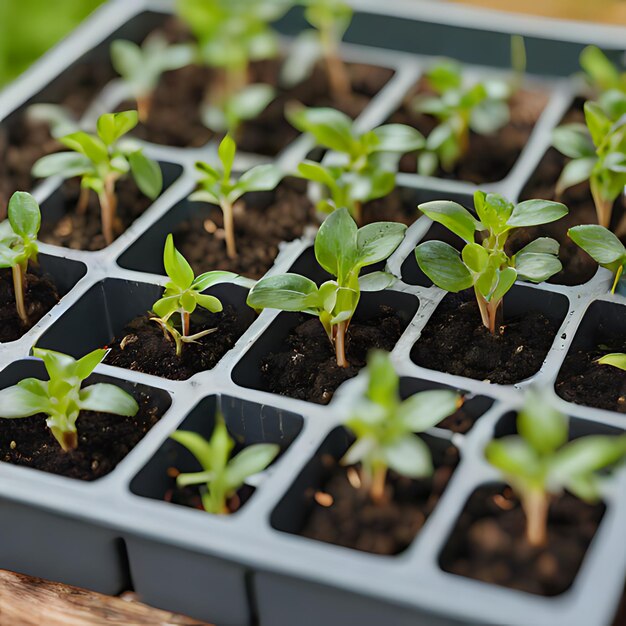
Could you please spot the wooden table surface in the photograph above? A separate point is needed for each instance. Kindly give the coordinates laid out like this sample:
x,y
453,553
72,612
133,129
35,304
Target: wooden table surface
x,y
26,601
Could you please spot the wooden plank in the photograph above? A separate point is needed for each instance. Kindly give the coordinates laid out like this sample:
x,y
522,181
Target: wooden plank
x,y
26,601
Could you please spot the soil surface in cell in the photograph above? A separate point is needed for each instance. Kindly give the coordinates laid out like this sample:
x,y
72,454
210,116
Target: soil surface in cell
x,y
344,514
455,341
395,207
40,296
578,266
489,543
103,441
143,347
262,222
584,381
175,114
83,230
308,370
490,157
24,140
190,496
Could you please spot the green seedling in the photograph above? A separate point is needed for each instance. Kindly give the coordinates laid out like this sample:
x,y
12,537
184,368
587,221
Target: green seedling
x,y
141,67
221,476
482,108
607,80
183,295
364,163
343,251
330,20
61,398
18,244
540,464
598,155
100,160
230,34
483,263
217,186
384,427
602,246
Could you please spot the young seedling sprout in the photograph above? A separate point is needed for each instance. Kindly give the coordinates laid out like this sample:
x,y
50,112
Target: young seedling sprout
x,y
100,160
483,263
230,34
364,164
183,294
141,67
18,244
607,80
330,20
343,251
540,464
482,107
217,186
62,399
602,246
221,476
384,427
598,154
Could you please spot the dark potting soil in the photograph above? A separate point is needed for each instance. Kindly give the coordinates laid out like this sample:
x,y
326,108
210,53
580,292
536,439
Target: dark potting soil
x,y
266,220
41,295
143,347
460,421
490,157
24,141
455,341
348,517
308,370
584,381
84,231
103,441
489,543
175,119
392,208
578,266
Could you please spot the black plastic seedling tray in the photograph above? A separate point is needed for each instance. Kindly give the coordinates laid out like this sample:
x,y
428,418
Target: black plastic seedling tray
x,y
252,567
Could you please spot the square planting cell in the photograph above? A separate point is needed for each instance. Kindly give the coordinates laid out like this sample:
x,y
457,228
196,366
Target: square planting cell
x,y
114,313
188,581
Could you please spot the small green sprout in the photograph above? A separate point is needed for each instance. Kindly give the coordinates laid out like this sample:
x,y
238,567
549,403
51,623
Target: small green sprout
x,y
484,264
365,163
100,160
602,246
61,398
539,463
230,34
217,186
598,155
607,80
385,427
330,20
141,67
614,359
183,294
343,251
221,476
18,244
482,107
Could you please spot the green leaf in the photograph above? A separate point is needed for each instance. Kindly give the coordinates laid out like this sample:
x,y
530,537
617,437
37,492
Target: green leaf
x,y
376,241
445,76
126,58
542,426
398,138
215,277
57,364
221,445
442,264
573,141
489,116
16,402
226,153
409,456
210,303
87,364
599,243
536,212
24,215
383,382
250,101
331,128
336,244
310,170
376,281
506,280
89,145
250,461
106,398
427,408
513,456
65,164
536,267
541,245
600,69
453,216
259,178
286,292
475,257
575,172
147,174
176,266
598,123
197,445
615,359
166,306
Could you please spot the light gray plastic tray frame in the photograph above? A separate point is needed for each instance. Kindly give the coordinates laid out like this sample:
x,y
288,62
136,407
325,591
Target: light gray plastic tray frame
x,y
239,569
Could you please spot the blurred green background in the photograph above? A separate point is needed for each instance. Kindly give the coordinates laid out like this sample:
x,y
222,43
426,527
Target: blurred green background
x,y
29,27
